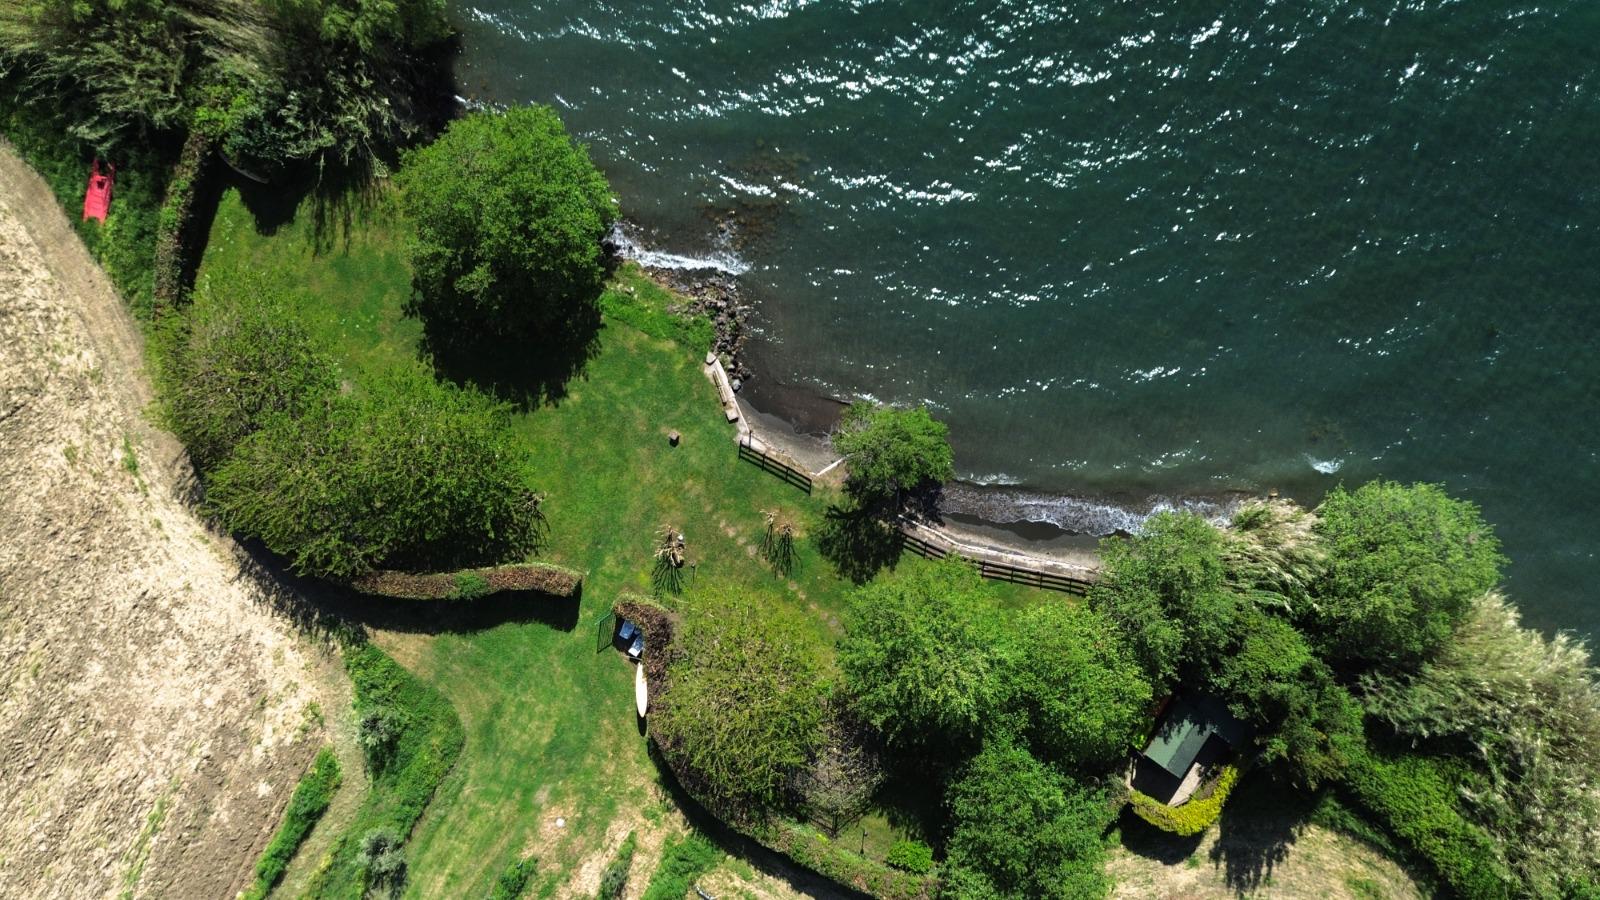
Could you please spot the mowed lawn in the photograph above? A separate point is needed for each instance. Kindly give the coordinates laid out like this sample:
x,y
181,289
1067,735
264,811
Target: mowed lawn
x,y
551,732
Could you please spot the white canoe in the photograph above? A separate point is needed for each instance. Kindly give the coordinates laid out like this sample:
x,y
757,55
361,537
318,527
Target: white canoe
x,y
641,693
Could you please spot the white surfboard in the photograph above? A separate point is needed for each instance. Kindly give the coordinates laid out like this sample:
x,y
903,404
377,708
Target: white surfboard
x,y
641,693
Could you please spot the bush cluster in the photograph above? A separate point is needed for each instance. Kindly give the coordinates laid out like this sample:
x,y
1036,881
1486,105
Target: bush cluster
x,y
425,741
684,859
615,878
832,859
514,880
310,800
1192,817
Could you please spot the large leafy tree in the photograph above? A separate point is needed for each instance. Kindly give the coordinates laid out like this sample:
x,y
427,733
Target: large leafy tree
x,y
405,473
1022,830
509,216
923,656
1404,565
1167,588
238,358
893,452
1075,685
747,704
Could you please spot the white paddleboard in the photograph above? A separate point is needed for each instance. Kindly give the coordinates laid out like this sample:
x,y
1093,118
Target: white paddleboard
x,y
641,693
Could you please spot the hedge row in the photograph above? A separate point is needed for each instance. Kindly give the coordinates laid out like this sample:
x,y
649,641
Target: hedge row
x,y
1415,801
1192,817
817,852
177,209
310,801
469,584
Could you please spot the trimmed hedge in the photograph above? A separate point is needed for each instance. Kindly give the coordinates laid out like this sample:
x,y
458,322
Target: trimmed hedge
x,y
1417,802
177,210
470,584
310,801
1192,817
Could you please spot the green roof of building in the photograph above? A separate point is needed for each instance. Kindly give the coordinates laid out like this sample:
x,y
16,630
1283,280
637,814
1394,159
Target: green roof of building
x,y
1189,723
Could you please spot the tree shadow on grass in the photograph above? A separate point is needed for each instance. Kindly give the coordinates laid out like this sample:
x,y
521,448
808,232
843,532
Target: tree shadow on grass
x,y
1258,827
857,542
527,372
339,195
1143,839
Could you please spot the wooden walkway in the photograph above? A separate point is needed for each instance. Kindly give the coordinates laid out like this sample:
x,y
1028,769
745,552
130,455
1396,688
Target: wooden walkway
x,y
920,538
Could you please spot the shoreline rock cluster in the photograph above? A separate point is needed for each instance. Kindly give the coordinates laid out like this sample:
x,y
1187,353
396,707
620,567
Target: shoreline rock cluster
x,y
716,296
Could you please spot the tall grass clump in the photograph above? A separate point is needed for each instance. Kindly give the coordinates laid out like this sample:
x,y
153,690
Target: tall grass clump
x,y
311,798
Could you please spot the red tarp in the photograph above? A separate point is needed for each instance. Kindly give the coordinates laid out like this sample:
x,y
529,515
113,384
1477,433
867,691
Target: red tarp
x,y
97,199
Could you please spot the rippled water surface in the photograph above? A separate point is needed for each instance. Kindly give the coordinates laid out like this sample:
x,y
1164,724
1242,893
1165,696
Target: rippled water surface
x,y
1139,250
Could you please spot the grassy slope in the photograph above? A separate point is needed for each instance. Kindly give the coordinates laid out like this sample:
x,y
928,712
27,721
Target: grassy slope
x,y
549,722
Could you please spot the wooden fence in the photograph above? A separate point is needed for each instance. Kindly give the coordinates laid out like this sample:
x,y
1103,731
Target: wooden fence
x,y
769,463
1049,581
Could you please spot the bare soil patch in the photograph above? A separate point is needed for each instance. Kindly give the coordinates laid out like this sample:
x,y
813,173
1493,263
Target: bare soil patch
x,y
155,713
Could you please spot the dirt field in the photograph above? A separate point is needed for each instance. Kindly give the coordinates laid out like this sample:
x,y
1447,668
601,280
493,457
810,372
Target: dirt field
x,y
154,712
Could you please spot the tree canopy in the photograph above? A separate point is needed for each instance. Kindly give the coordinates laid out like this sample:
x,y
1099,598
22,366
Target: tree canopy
x,y
1023,831
892,452
1404,565
922,656
237,359
405,473
1075,685
1167,588
747,702
509,216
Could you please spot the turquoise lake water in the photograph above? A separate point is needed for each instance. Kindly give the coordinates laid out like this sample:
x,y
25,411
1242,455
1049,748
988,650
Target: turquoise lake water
x,y
1137,252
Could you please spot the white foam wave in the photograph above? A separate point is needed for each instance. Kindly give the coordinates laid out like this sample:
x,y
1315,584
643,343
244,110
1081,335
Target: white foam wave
x,y
1325,466
718,260
1082,515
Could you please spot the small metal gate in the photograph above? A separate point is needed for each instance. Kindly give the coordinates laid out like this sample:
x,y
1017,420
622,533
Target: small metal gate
x,y
605,631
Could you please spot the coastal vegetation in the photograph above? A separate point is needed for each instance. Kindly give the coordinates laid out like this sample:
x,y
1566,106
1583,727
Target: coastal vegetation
x,y
1361,641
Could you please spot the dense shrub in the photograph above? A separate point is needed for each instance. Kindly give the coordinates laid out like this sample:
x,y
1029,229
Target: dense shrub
x,y
1414,798
923,656
426,742
472,584
1192,817
513,882
835,860
615,878
911,856
238,358
1021,830
892,452
277,81
1525,711
1404,564
408,473
683,860
35,122
1075,685
509,215
746,704
310,800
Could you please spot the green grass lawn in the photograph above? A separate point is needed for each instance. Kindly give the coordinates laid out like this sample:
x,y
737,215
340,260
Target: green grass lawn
x,y
549,722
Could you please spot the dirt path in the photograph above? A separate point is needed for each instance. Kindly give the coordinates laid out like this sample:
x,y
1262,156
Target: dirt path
x,y
154,712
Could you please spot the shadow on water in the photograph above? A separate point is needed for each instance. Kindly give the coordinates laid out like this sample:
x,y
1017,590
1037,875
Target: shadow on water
x,y
527,372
